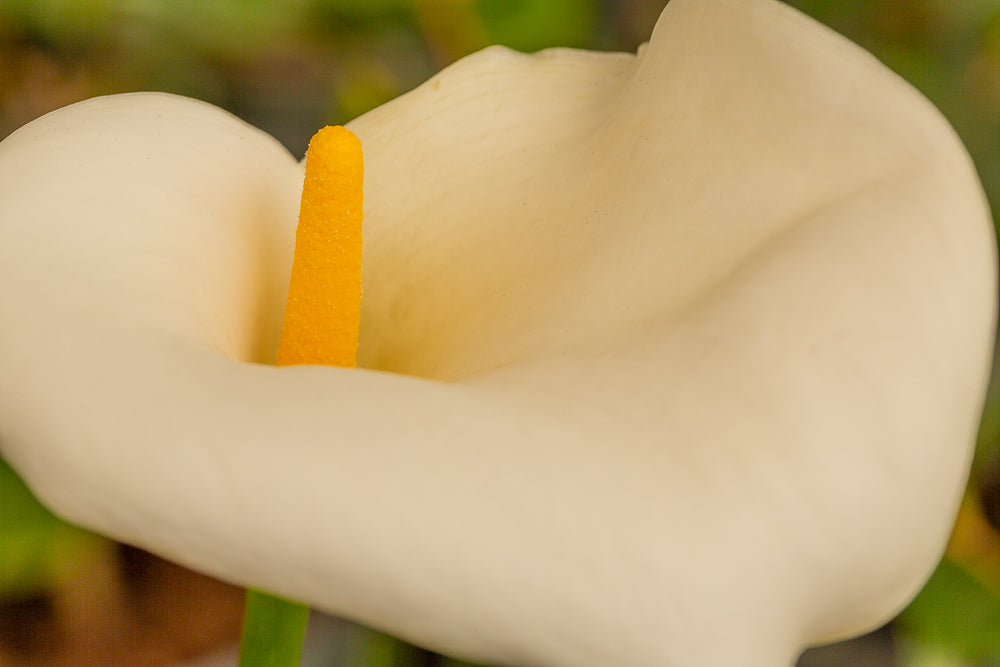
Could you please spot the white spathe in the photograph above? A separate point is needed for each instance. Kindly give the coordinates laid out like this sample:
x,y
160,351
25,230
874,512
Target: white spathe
x,y
686,350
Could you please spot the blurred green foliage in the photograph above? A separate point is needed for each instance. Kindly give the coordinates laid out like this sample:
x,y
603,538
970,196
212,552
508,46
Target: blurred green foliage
x,y
289,66
37,550
563,22
956,610
285,65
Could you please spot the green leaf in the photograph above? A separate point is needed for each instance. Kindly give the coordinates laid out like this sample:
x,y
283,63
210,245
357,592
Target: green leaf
x,y
530,25
956,612
37,550
273,631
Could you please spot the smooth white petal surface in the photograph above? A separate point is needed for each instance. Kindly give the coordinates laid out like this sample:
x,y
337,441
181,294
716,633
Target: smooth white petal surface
x,y
679,344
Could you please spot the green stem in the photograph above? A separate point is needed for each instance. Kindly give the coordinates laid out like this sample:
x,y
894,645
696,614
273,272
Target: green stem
x,y
273,631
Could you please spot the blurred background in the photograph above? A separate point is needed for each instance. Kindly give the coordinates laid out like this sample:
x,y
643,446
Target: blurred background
x,y
290,66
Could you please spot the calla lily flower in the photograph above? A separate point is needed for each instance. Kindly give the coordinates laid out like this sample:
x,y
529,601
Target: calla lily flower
x,y
654,348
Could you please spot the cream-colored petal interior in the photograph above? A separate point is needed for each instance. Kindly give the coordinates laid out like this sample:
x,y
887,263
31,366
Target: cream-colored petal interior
x,y
713,324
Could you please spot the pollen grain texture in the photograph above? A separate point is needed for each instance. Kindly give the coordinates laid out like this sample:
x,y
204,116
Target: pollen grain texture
x,y
323,311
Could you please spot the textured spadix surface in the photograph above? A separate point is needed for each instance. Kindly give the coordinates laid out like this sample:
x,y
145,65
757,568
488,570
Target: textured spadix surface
x,y
681,346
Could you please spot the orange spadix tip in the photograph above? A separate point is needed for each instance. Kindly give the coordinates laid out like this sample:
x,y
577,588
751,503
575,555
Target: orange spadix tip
x,y
323,311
